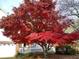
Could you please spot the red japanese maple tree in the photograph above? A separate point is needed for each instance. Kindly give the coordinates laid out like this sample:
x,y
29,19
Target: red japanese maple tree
x,y
38,22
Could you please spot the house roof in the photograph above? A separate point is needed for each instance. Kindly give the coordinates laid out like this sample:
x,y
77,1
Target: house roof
x,y
6,42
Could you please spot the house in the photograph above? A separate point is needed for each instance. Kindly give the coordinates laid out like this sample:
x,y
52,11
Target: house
x,y
7,49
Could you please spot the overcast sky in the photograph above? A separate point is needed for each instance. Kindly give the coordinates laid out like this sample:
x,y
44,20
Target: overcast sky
x,y
6,6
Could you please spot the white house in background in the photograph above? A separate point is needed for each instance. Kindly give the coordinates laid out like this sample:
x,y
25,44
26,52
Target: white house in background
x,y
7,49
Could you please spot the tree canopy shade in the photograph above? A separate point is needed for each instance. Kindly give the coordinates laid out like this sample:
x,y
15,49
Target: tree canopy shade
x,y
38,22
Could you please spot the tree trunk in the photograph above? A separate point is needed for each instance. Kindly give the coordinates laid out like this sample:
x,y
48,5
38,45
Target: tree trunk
x,y
23,48
24,44
45,54
45,48
45,51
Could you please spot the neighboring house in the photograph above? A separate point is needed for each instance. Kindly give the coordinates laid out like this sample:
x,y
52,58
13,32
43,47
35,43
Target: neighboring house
x,y
7,49
30,48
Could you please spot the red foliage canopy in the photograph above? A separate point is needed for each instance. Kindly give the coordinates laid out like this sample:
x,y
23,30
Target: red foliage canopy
x,y
37,22
51,37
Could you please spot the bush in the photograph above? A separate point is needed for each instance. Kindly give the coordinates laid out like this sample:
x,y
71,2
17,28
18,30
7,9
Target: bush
x,y
68,50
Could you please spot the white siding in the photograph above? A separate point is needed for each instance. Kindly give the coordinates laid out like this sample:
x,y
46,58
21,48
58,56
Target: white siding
x,y
7,50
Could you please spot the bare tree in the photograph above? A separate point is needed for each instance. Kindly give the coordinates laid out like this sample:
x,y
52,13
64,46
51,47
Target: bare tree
x,y
69,7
